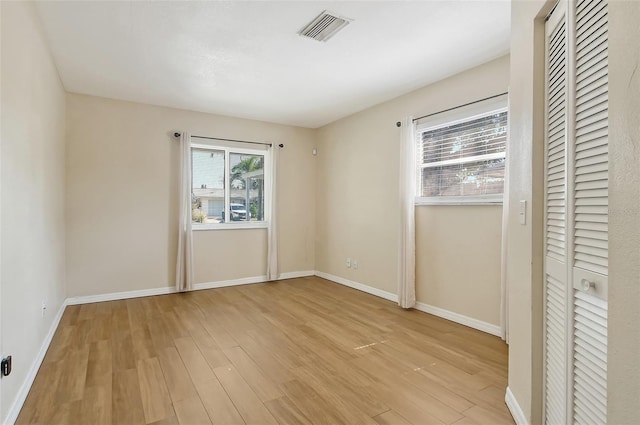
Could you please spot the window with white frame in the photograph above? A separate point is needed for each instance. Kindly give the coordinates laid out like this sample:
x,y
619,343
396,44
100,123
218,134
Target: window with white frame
x,y
462,160
229,187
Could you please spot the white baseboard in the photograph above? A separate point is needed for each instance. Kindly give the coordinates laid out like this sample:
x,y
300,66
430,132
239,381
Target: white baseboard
x,y
459,318
359,286
249,280
14,410
231,282
515,409
113,296
436,311
296,275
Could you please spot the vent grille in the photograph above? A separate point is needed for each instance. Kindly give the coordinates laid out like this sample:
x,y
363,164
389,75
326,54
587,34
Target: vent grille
x,y
325,26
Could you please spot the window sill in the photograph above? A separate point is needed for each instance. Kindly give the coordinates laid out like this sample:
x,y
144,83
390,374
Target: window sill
x,y
460,200
230,226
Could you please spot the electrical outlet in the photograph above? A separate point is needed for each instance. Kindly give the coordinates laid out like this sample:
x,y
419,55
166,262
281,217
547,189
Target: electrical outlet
x,y
355,264
44,307
348,263
5,366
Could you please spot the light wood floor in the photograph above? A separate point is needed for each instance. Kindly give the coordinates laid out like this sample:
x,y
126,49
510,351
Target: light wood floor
x,y
299,351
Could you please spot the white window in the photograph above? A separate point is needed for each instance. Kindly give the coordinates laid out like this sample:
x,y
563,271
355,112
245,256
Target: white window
x,y
229,187
461,160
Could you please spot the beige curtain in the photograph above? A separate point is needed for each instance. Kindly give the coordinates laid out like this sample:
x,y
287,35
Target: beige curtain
x,y
272,229
184,265
407,249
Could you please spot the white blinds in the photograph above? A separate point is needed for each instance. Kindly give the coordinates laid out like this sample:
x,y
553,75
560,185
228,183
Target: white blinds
x,y
465,158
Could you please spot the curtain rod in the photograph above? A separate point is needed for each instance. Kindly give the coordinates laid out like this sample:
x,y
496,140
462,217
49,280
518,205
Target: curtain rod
x,y
455,107
176,134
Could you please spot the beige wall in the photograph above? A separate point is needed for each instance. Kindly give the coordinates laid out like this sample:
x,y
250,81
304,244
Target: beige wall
x,y
357,203
524,266
122,165
524,257
32,229
624,213
458,259
220,255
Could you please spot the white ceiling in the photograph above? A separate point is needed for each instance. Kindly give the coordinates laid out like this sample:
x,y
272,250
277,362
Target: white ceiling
x,y
245,59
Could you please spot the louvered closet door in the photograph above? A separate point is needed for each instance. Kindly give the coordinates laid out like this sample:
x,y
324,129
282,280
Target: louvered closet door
x,y
555,273
576,213
590,218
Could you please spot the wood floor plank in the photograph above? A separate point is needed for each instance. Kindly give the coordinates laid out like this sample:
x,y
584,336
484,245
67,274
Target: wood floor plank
x,y
191,318
60,343
312,404
143,347
214,356
160,334
95,407
269,364
99,366
123,355
65,414
346,407
251,373
42,403
156,402
120,317
126,401
216,401
87,312
70,316
301,351
171,420
493,395
483,415
177,378
243,397
360,398
391,418
136,312
217,331
404,398
286,412
190,411
387,364
72,379
193,360
467,421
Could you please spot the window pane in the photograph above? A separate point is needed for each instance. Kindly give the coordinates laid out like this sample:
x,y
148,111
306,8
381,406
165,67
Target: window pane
x,y
464,159
467,179
207,182
246,175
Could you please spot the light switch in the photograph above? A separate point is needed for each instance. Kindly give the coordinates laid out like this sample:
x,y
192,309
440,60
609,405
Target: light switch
x,y
523,212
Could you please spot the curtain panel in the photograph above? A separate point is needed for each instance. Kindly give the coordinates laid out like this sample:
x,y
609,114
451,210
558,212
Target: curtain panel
x,y
184,264
407,249
272,229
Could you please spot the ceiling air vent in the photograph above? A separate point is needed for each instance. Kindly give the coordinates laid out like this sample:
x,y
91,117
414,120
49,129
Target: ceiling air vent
x,y
325,26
